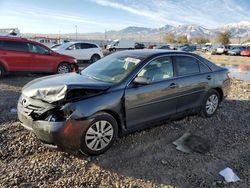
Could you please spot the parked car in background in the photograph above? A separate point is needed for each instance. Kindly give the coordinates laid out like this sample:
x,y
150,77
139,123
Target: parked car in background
x,y
139,46
55,46
151,46
206,47
165,47
46,41
22,55
187,48
235,50
245,52
222,49
121,93
81,50
122,44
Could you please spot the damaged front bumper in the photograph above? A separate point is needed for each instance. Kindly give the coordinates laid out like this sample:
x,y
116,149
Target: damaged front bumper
x,y
56,134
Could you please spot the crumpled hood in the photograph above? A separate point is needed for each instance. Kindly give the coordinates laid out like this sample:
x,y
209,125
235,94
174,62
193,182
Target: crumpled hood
x,y
54,88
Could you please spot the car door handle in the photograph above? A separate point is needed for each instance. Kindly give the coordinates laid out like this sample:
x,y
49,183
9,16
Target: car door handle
x,y
173,85
209,77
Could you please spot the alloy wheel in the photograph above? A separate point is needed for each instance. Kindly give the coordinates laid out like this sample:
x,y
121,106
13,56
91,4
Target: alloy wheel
x,y
99,135
212,104
63,69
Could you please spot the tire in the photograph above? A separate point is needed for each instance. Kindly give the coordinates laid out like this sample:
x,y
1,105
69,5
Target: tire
x,y
210,103
94,58
63,68
2,71
94,142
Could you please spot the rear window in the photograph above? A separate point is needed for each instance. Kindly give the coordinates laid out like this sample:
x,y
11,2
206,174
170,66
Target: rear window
x,y
14,46
88,45
186,65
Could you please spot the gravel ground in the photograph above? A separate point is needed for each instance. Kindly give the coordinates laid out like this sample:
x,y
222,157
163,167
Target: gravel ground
x,y
142,159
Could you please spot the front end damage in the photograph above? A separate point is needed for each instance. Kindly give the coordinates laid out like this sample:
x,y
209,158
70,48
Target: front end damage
x,y
51,114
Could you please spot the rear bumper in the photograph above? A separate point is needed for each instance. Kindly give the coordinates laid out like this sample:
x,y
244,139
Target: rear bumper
x,y
65,135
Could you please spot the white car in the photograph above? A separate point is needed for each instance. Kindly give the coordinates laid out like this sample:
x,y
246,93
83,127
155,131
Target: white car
x,y
222,49
81,50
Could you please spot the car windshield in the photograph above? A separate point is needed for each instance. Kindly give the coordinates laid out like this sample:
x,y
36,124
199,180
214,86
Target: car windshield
x,y
62,46
113,68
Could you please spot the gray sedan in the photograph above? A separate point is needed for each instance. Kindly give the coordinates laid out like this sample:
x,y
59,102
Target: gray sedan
x,y
118,94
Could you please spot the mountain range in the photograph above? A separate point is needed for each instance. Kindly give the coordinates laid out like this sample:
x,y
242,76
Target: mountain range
x,y
240,32
237,30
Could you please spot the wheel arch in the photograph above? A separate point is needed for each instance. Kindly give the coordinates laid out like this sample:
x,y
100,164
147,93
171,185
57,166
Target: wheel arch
x,y
220,91
95,54
116,116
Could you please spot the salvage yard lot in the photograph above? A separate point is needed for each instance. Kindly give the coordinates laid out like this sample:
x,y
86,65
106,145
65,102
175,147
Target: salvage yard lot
x,y
142,159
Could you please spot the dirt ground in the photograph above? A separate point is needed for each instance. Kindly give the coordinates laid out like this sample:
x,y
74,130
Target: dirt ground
x,y
142,159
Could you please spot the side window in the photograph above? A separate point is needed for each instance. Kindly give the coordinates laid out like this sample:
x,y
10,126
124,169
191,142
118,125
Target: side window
x,y
158,69
92,46
203,68
88,45
37,49
76,46
186,65
15,46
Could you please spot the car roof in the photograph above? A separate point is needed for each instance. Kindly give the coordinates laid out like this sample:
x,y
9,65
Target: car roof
x,y
13,38
74,42
146,53
20,39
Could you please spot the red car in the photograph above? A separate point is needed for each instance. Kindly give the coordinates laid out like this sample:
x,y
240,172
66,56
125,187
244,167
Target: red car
x,y
245,52
22,55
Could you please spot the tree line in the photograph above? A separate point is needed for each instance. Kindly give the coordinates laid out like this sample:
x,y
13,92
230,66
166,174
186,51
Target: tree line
x,y
223,38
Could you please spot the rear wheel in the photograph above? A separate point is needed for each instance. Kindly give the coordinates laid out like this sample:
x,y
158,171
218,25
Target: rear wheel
x,y
1,71
95,58
63,68
210,103
99,136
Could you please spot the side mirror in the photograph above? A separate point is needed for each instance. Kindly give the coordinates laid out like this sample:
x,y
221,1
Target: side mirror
x,y
141,81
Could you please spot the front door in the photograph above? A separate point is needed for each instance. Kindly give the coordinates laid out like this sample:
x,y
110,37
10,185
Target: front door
x,y
155,100
16,54
41,60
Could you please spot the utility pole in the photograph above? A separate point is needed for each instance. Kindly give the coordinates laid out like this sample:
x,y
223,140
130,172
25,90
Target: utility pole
x,y
76,31
105,35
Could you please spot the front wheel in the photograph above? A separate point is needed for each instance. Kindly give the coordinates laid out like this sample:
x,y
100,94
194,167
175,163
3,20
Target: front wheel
x,y
210,103
63,68
99,136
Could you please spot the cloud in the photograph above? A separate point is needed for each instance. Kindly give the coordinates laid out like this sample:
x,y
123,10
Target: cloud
x,y
210,13
145,13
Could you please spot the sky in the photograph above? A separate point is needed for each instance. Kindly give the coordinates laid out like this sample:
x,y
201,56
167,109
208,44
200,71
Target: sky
x,y
62,16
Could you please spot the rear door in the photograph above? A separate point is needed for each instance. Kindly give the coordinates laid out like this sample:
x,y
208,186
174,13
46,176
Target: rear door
x,y
42,60
16,54
193,78
88,50
154,101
